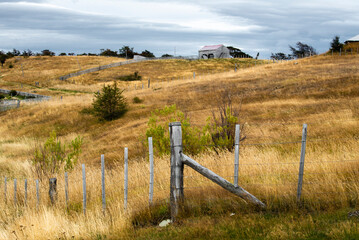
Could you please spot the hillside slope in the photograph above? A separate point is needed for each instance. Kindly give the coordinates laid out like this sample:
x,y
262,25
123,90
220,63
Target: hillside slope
x,y
273,100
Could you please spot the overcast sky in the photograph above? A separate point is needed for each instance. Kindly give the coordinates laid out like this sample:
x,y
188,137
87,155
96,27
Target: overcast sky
x,y
160,26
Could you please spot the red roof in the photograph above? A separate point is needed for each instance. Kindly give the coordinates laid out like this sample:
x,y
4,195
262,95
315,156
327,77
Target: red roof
x,y
212,47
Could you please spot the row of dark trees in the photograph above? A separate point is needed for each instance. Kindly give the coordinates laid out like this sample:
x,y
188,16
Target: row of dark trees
x,y
126,52
304,50
26,53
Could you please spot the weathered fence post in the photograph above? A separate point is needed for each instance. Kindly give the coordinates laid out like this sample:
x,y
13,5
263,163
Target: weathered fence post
x,y
84,188
126,178
37,195
194,75
25,192
53,190
149,82
5,189
301,164
103,183
150,149
236,154
67,189
15,191
176,187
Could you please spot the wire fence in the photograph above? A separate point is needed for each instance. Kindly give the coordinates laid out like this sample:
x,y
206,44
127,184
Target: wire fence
x,y
265,178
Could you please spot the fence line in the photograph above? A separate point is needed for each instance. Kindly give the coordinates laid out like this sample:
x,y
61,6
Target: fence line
x,y
156,190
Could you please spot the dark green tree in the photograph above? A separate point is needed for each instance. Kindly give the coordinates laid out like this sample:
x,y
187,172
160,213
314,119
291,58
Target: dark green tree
x,y
126,52
280,56
109,103
336,45
109,53
238,53
302,50
47,52
147,54
3,58
167,55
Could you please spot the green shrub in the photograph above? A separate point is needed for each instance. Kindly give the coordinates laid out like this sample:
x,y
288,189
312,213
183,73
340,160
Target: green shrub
x,y
2,96
222,129
194,139
13,93
10,65
214,135
131,77
52,156
109,104
137,100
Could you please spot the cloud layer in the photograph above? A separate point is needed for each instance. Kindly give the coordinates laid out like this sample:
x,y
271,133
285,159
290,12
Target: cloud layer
x,y
160,26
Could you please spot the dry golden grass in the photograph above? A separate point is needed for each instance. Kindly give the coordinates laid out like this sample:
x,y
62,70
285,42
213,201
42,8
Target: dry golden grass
x,y
275,100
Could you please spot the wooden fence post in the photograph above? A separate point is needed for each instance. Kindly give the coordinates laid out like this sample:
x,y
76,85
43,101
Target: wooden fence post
x,y
53,190
194,75
150,148
84,188
25,192
5,189
37,194
67,189
301,164
15,191
149,82
176,187
103,183
126,178
236,154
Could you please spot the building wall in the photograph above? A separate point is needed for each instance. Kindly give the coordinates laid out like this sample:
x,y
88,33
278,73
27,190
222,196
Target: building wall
x,y
221,52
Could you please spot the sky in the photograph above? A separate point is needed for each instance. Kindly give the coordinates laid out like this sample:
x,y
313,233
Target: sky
x,y
175,27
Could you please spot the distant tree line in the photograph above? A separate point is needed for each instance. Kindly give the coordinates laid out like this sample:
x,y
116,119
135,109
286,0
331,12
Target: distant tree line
x,y
126,52
301,50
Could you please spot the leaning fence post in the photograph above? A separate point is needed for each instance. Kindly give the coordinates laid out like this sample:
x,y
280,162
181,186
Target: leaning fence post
x,y
126,178
84,188
176,168
5,189
236,154
103,183
301,164
66,189
150,148
15,191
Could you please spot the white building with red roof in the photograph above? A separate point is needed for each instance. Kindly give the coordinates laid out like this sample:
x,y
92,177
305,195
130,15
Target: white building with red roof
x,y
214,51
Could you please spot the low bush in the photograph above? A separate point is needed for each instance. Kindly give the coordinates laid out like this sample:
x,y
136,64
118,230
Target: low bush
x,y
131,77
2,96
214,135
137,100
53,157
13,93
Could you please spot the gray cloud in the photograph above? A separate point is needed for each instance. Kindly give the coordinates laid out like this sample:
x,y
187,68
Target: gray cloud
x,y
40,26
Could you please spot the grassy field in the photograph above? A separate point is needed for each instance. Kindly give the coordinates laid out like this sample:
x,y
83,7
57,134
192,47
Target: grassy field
x,y
273,101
